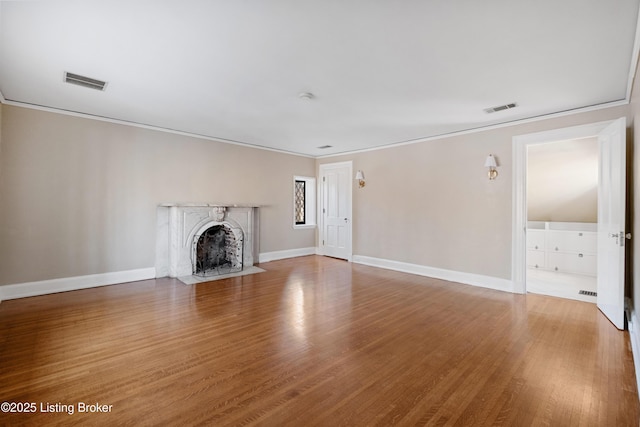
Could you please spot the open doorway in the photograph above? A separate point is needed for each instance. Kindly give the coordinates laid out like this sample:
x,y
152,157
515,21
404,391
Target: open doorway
x,y
562,211
611,209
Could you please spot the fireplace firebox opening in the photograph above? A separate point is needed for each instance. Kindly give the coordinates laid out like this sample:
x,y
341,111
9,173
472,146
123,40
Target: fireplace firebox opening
x,y
218,250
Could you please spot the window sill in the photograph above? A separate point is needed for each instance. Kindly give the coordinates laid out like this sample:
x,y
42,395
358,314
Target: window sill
x,y
304,227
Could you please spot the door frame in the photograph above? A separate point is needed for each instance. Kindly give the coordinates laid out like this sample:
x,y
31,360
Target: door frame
x,y
520,143
321,173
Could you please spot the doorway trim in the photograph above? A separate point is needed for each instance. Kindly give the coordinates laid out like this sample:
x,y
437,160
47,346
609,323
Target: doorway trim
x,y
520,143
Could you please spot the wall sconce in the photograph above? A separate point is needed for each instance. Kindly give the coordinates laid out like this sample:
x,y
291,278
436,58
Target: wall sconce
x,y
491,164
360,178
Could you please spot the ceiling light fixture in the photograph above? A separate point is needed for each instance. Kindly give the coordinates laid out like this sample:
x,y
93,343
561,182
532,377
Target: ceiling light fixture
x,y
307,96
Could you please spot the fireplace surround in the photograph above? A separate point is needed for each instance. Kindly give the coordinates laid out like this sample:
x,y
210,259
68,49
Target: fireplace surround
x,y
180,231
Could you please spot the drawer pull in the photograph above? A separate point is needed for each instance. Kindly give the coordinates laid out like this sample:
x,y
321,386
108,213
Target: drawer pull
x,y
580,255
556,248
556,269
536,246
580,234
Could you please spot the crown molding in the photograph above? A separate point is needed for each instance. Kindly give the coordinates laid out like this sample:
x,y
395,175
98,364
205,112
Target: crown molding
x,y
145,126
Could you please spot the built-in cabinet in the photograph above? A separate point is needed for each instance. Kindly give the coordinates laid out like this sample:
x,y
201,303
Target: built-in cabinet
x,y
567,247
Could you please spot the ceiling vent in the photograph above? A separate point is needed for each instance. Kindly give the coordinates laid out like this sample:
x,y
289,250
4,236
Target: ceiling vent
x,y
322,147
79,80
500,108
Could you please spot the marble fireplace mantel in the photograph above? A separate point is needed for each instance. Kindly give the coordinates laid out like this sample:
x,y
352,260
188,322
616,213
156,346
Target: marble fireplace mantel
x,y
178,223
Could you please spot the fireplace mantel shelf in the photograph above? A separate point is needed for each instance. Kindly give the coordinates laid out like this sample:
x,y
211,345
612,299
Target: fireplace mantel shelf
x,y
211,205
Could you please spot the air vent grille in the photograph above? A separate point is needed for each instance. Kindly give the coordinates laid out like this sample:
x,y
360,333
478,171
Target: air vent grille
x,y
83,81
501,108
590,293
322,147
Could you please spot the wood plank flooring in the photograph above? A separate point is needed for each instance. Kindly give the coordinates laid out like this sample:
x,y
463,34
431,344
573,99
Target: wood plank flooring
x,y
314,341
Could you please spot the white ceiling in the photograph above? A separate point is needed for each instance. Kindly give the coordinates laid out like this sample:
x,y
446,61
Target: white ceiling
x,y
382,72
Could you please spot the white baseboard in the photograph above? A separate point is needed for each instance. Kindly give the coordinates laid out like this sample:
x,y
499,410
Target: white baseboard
x,y
438,273
29,289
289,253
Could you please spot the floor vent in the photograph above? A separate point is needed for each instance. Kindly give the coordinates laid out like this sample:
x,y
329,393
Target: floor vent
x,y
590,293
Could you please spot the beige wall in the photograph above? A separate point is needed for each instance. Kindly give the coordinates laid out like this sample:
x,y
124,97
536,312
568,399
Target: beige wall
x,y
79,196
431,203
562,181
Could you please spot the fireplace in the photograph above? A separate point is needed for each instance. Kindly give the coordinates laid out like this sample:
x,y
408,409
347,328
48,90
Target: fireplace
x,y
218,250
205,239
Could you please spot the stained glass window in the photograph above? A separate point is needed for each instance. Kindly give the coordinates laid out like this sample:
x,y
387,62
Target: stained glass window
x,y
300,202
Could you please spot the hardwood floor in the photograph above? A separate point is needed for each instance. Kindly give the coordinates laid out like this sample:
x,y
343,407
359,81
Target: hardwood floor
x,y
314,341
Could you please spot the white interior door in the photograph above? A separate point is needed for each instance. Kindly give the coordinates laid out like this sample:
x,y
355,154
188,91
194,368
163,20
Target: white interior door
x,y
611,221
335,239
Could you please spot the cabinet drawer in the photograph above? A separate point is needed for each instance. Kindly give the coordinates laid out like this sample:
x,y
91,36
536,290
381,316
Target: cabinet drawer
x,y
572,263
535,259
584,242
535,239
